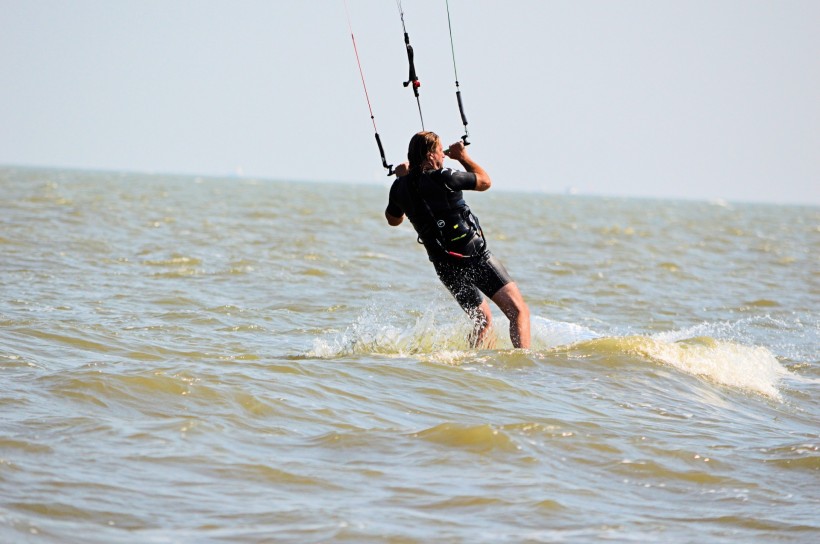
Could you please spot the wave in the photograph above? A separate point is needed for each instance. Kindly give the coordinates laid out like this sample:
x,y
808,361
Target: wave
x,y
723,361
749,368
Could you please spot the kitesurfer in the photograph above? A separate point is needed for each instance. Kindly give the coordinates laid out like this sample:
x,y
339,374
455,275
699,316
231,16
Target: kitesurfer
x,y
431,197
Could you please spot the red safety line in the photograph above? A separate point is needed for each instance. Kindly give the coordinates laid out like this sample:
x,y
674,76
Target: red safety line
x,y
361,72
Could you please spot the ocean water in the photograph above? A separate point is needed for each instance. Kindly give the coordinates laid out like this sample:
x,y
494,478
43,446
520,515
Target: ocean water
x,y
190,360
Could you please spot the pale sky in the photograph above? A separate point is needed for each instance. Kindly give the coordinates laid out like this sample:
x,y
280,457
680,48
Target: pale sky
x,y
716,99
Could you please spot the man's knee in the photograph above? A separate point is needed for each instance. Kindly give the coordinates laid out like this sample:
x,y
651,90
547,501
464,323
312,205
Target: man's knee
x,y
520,308
511,302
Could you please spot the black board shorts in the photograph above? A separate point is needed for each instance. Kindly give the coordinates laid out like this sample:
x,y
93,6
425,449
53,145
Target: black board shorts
x,y
466,279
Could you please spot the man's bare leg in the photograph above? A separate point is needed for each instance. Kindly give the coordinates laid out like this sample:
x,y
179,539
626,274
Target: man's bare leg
x,y
482,323
511,302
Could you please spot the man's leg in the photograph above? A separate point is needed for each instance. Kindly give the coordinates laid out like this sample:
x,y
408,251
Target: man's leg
x,y
482,322
511,302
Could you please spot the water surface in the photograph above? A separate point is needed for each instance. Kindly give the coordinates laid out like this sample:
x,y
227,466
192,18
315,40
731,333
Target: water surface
x,y
235,360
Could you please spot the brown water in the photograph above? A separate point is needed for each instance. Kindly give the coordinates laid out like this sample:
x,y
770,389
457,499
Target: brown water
x,y
232,360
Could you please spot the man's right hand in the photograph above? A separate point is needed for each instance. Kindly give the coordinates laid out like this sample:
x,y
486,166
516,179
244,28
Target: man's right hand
x,y
456,151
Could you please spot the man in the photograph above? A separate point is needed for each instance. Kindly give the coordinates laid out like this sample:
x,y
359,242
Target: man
x,y
431,197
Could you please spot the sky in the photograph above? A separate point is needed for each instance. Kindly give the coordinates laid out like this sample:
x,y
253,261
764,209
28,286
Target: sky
x,y
714,100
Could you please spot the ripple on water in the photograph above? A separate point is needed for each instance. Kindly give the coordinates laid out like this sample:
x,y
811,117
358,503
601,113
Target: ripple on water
x,y
475,438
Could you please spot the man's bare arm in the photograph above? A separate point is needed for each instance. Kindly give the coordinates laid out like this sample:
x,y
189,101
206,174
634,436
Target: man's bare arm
x,y
458,152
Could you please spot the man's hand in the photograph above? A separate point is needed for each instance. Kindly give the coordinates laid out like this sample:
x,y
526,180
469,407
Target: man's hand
x,y
456,151
402,170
